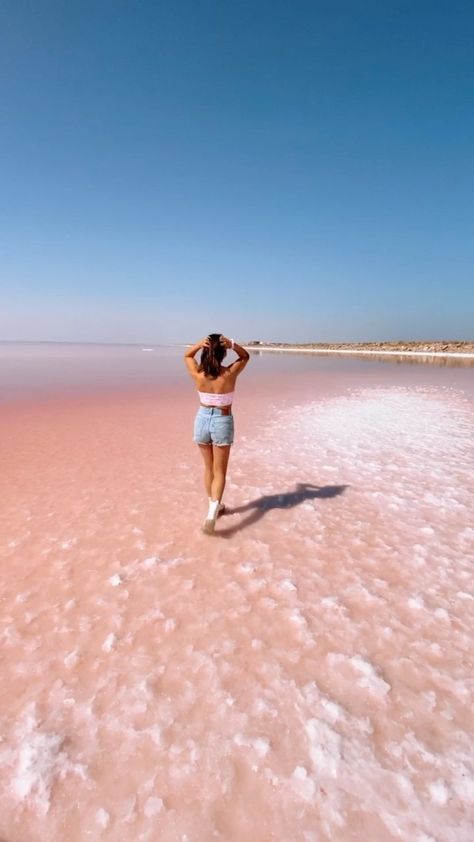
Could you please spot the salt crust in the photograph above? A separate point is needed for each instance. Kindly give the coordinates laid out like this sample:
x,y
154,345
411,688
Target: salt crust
x,y
153,806
365,674
345,754
37,759
103,818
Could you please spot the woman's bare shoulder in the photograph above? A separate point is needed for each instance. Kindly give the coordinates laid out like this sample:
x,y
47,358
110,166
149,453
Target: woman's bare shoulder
x,y
229,375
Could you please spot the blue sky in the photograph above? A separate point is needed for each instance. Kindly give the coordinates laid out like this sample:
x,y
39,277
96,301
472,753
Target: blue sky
x,y
274,170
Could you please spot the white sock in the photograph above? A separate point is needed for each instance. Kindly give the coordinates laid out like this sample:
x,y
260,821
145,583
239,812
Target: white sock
x,y
210,501
213,508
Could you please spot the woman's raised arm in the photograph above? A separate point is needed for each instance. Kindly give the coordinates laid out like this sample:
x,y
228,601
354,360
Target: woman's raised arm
x,y
243,356
191,352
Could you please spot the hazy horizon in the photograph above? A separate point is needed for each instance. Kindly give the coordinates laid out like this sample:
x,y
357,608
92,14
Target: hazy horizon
x,y
183,343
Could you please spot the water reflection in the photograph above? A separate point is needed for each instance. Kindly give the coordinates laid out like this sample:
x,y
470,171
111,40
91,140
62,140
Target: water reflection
x,y
443,362
29,369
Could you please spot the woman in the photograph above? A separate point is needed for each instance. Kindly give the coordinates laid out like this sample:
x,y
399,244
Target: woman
x,y
214,423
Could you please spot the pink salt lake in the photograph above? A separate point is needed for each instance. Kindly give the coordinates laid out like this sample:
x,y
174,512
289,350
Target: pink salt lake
x,y
305,675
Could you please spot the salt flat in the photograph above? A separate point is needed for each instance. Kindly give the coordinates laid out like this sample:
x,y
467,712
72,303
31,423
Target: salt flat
x,y
305,674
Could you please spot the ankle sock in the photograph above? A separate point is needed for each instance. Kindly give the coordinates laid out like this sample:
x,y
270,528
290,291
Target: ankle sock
x,y
213,509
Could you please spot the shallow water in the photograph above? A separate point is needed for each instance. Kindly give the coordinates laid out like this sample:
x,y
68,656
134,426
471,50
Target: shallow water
x,y
305,674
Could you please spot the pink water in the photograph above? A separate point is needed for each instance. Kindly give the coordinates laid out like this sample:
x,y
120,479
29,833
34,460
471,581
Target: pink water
x,y
305,675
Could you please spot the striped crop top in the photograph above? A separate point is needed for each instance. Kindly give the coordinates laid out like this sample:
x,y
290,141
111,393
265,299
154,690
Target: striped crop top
x,y
216,400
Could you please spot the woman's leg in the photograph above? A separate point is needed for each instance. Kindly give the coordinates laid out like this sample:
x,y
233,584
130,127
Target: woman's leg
x,y
207,455
221,455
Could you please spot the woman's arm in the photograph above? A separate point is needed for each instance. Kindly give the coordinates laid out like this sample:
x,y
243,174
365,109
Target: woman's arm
x,y
230,344
243,356
191,352
189,355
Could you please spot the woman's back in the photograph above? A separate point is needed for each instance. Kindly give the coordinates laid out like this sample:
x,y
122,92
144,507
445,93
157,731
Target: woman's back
x,y
220,385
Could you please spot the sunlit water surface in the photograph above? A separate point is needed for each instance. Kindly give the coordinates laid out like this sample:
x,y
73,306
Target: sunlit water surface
x,y
305,675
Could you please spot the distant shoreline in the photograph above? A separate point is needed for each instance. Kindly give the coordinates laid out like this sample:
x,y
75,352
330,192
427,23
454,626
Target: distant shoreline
x,y
464,350
428,350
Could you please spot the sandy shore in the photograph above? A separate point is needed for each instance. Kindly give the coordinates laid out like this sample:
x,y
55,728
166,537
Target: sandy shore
x,y
463,350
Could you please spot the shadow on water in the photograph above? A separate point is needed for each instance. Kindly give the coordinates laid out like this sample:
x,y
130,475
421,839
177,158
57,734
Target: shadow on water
x,y
258,507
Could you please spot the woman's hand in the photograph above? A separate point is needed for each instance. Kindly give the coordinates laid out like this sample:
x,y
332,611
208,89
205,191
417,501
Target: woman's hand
x,y
191,352
225,342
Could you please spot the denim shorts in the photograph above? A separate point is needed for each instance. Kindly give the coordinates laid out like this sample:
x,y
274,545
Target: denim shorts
x,y
211,426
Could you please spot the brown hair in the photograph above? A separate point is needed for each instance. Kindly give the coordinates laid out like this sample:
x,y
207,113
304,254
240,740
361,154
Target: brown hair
x,y
211,358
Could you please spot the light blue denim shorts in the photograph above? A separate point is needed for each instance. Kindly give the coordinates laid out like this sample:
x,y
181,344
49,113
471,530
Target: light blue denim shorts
x,y
211,426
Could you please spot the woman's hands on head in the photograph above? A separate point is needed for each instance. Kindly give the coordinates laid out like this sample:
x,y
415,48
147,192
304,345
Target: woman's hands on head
x,y
224,341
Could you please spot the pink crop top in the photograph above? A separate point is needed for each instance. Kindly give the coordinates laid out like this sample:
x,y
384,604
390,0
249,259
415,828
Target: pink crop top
x,y
216,400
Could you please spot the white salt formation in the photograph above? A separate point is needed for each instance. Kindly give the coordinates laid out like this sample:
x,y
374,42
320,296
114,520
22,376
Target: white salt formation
x,y
302,675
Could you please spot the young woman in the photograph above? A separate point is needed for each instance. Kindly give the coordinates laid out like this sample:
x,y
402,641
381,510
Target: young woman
x,y
214,423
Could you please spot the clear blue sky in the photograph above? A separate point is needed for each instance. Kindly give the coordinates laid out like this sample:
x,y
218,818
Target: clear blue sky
x,y
272,170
